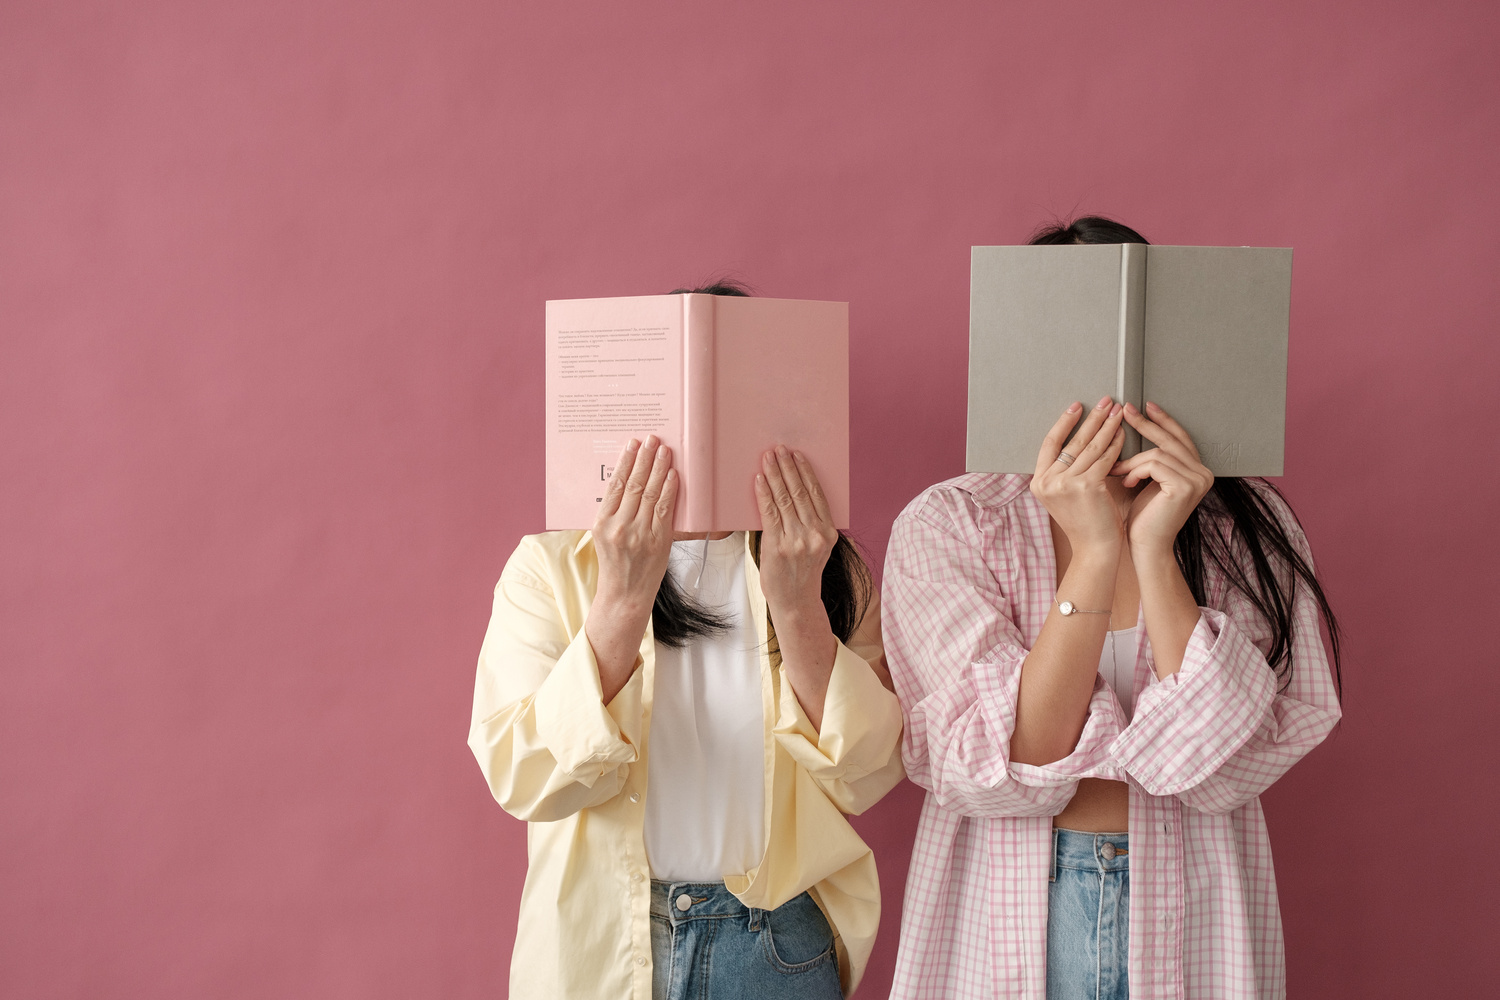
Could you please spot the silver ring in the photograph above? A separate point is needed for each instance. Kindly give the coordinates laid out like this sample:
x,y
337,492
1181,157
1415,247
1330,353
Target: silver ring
x,y
1065,458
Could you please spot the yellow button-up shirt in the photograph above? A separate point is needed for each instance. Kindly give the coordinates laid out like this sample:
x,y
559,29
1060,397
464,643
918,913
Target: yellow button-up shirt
x,y
574,768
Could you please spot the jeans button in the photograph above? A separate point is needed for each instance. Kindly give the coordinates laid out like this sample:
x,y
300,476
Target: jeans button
x,y
1108,852
684,903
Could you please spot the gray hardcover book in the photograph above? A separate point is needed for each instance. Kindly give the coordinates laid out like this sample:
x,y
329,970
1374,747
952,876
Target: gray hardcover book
x,y
1200,331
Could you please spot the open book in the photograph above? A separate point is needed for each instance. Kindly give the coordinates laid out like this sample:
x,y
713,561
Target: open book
x,y
1200,331
718,378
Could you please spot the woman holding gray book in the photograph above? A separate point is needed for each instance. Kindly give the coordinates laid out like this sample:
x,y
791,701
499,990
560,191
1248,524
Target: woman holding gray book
x,y
1102,666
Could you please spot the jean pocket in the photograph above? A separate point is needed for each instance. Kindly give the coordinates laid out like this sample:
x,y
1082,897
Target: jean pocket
x,y
796,936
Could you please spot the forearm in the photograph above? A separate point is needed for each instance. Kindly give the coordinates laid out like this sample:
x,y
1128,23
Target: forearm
x,y
808,649
1057,676
615,628
1168,605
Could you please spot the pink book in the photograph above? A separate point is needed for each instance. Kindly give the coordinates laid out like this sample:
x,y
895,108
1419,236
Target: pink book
x,y
718,378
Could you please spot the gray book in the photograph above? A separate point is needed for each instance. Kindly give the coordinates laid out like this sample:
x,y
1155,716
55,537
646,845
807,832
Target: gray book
x,y
1200,331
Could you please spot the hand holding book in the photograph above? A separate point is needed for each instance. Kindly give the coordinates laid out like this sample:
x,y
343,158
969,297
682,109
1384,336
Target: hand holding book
x,y
797,537
1070,482
632,539
1178,479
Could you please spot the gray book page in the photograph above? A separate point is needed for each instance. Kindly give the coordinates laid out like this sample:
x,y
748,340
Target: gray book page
x,y
1215,350
1044,331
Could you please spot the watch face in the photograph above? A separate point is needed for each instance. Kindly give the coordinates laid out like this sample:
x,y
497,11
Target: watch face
x,y
1066,607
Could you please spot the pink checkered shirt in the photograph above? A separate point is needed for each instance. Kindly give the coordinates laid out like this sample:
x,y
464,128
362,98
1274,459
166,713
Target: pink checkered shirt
x,y
969,578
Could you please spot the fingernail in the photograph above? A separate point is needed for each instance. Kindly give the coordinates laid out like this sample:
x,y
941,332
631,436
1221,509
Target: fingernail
x,y
1130,408
632,443
1074,407
1103,403
1151,406
1115,409
759,478
651,440
671,474
781,450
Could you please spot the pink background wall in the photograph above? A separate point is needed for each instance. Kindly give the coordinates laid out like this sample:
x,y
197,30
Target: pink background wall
x,y
271,286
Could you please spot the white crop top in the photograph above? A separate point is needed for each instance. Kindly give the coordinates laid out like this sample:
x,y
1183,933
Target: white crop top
x,y
705,785
1117,667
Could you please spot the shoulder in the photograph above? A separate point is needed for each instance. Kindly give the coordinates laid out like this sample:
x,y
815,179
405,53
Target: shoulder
x,y
1277,505
545,558
961,504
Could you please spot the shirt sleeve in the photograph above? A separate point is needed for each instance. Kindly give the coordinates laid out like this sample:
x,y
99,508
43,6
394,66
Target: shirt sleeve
x,y
856,756
1220,731
545,740
955,656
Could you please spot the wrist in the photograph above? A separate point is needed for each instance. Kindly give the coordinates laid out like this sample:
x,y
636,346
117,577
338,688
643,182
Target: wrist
x,y
803,614
1101,558
621,609
1152,552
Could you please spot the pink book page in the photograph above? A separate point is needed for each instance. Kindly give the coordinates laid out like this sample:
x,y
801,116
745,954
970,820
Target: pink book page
x,y
614,371
781,377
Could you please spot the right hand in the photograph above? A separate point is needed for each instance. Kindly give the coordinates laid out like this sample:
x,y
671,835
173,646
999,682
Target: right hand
x,y
633,533
1076,495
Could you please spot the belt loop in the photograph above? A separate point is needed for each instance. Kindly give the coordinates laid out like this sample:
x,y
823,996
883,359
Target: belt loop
x,y
755,915
1052,864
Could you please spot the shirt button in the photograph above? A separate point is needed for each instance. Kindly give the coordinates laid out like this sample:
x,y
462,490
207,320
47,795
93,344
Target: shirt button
x,y
684,903
635,796
1108,852
640,961
635,876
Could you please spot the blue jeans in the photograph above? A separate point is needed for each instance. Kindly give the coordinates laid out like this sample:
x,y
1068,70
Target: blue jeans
x,y
707,945
1088,917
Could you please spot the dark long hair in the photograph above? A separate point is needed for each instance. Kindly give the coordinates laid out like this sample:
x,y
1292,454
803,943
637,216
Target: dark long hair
x,y
677,619
1237,513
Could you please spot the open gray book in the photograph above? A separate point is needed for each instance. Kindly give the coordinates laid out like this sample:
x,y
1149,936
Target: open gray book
x,y
1200,331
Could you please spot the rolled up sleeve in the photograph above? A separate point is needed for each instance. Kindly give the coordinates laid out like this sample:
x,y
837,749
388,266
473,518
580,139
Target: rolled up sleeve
x,y
856,755
956,659
1224,728
545,740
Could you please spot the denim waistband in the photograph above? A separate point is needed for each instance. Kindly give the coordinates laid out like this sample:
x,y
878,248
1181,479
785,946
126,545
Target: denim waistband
x,y
1090,852
693,900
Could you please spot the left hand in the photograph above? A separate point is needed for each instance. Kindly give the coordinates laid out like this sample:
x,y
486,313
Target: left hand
x,y
797,534
1178,479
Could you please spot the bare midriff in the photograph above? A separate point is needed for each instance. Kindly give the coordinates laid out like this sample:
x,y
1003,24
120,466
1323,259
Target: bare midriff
x,y
1099,806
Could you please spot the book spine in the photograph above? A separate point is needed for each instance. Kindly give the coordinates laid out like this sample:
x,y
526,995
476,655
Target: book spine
x,y
1131,368
695,465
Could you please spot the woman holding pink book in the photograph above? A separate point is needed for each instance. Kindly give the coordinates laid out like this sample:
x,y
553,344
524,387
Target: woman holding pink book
x,y
1102,666
685,722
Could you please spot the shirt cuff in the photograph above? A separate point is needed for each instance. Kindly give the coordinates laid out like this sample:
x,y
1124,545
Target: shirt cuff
x,y
1090,756
586,739
861,723
1188,724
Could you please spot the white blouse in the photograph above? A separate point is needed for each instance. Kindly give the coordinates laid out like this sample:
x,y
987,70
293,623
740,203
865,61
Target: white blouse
x,y
1117,667
706,757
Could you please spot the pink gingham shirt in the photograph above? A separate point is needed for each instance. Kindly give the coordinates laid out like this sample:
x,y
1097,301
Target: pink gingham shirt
x,y
969,579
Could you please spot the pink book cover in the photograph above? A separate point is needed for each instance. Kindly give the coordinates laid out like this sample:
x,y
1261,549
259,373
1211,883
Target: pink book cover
x,y
718,378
